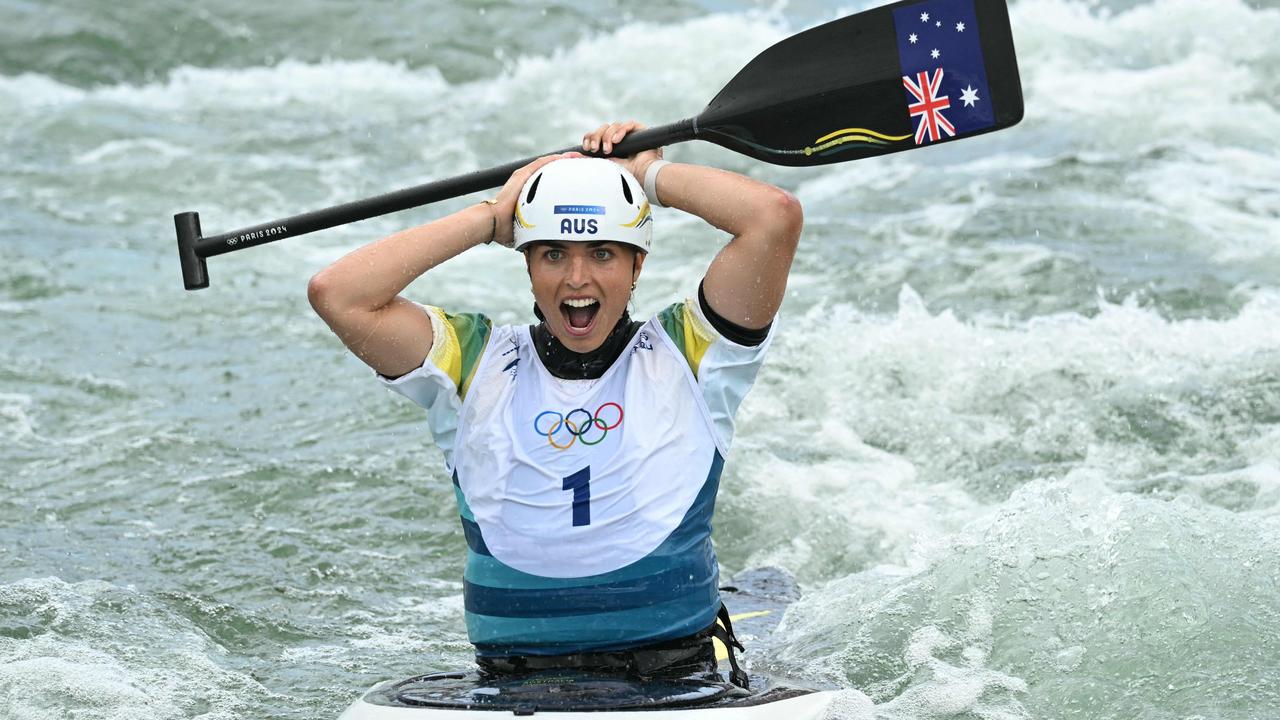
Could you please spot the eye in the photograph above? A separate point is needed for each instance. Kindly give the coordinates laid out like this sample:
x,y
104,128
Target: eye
x,y
602,254
553,254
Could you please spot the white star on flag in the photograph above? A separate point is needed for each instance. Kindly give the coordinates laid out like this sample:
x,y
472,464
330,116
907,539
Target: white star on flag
x,y
938,24
934,54
959,27
969,96
912,38
924,17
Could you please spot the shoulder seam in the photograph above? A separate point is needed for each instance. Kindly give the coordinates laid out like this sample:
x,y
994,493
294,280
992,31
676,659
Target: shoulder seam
x,y
465,385
701,326
445,352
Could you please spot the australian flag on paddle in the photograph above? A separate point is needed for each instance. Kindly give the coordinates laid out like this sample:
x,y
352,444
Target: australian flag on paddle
x,y
943,74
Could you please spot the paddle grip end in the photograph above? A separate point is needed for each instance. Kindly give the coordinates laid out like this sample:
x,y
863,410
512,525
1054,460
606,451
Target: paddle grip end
x,y
195,273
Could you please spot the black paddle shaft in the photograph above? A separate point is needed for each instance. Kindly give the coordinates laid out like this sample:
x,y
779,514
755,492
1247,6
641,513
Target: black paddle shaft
x,y
194,249
864,85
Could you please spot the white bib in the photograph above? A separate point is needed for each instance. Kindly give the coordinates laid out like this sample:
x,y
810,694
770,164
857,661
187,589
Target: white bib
x,y
573,478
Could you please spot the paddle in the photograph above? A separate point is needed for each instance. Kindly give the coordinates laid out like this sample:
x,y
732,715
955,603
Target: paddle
x,y
893,78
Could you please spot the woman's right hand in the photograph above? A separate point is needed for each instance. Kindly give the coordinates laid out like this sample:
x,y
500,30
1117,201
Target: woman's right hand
x,y
504,209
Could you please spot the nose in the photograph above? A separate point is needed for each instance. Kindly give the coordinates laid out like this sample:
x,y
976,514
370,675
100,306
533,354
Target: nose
x,y
577,276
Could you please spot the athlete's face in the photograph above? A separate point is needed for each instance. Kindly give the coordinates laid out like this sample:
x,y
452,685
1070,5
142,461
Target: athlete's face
x,y
582,288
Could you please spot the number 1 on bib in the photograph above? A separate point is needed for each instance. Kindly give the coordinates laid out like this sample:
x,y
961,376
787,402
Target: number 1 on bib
x,y
580,484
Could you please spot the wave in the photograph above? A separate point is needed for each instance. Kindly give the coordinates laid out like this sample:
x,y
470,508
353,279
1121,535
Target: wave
x,y
1072,600
268,140
89,44
93,649
892,426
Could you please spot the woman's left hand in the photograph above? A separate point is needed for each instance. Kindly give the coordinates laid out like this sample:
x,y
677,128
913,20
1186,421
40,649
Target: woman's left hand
x,y
606,136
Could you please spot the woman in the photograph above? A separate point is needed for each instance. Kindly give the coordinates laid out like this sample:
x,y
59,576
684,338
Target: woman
x,y
585,450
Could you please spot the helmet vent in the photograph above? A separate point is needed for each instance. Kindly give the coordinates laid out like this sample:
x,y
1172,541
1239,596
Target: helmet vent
x,y
626,190
533,189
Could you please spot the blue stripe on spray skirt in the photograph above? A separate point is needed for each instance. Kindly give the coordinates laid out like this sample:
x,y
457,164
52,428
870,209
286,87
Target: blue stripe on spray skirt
x,y
580,600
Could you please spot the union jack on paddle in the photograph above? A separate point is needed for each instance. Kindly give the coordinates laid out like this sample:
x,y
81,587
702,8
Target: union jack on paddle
x,y
929,106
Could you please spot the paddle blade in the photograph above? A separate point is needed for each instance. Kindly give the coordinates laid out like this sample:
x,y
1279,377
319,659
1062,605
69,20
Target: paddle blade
x,y
899,77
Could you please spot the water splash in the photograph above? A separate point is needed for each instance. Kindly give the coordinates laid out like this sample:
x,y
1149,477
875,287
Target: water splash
x,y
1071,600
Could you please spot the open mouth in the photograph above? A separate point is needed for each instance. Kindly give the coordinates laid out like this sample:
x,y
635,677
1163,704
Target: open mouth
x,y
579,314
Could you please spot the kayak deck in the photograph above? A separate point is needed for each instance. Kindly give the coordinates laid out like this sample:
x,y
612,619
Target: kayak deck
x,y
779,703
757,599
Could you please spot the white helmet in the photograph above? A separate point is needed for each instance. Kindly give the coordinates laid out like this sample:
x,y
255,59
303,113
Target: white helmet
x,y
583,200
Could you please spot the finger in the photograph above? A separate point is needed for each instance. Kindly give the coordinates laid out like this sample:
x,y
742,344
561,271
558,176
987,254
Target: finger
x,y
546,159
611,136
619,131
536,165
592,141
519,177
523,173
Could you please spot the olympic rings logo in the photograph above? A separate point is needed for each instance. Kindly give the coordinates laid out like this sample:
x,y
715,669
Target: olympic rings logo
x,y
579,427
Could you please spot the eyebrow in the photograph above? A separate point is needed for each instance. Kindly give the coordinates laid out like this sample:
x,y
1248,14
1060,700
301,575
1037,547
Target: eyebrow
x,y
562,245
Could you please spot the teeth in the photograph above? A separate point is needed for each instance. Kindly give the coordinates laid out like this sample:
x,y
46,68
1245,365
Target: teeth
x,y
580,303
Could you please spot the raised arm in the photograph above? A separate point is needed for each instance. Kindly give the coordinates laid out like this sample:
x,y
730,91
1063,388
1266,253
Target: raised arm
x,y
746,281
359,295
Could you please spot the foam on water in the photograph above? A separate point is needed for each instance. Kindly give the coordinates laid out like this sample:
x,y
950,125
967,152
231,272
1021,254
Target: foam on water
x,y
1100,443
86,44
92,649
1171,82
340,87
1071,600
926,423
14,419
316,133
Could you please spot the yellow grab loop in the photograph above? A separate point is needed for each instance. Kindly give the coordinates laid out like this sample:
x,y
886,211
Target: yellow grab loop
x,y
722,653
